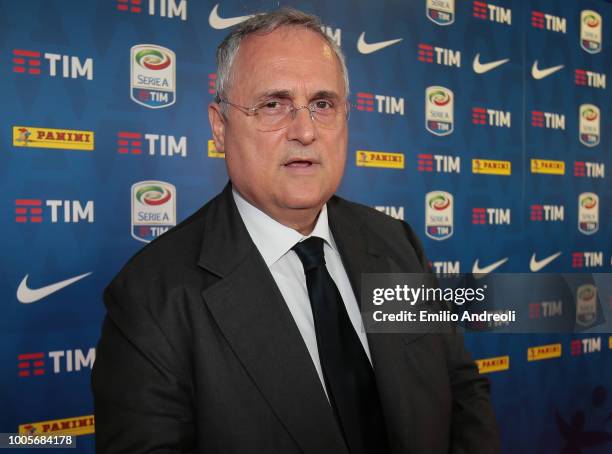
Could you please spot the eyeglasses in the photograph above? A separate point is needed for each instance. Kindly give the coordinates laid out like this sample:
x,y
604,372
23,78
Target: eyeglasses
x,y
276,114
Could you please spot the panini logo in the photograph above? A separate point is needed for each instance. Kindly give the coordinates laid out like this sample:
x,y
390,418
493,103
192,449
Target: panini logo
x,y
62,139
491,167
78,425
212,150
379,159
544,352
610,342
494,364
548,167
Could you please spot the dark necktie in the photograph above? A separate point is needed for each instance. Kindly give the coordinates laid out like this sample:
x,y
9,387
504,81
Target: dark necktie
x,y
348,375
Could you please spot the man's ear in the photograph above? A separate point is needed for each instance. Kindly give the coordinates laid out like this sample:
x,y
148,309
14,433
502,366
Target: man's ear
x,y
217,125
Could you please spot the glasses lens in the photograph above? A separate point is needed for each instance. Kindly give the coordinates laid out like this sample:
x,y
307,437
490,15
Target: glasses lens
x,y
278,114
273,115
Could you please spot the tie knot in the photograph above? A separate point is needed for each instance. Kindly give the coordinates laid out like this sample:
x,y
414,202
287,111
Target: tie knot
x,y
310,252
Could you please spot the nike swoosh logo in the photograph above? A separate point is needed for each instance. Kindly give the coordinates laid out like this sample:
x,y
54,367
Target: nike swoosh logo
x,y
27,295
538,74
220,23
537,265
481,68
366,48
487,269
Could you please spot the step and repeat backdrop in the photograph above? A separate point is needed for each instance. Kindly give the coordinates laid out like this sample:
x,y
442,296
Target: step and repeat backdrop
x,y
485,125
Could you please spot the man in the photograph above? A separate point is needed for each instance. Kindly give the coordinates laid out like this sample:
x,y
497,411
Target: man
x,y
239,330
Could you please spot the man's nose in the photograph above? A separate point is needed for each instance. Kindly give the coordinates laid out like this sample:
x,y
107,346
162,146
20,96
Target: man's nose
x,y
302,128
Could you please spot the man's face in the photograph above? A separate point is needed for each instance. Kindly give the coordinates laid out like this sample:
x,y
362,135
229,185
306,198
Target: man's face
x,y
299,167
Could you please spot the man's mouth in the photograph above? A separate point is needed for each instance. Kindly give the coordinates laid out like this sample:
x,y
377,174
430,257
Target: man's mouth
x,y
299,163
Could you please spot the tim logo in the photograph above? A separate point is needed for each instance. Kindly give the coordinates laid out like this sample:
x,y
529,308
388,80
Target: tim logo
x,y
491,216
441,12
549,120
212,81
66,211
548,22
60,361
491,12
369,102
65,66
590,79
591,259
589,124
584,346
153,72
335,34
439,55
491,117
156,144
393,211
29,364
589,169
162,8
153,209
445,267
545,309
439,110
440,163
547,213
590,31
439,215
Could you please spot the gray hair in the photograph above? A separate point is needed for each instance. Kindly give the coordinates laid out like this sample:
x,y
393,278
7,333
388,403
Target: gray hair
x,y
266,23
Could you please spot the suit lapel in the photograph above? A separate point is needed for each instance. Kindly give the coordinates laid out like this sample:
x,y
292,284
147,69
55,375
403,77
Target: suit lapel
x,y
388,351
251,313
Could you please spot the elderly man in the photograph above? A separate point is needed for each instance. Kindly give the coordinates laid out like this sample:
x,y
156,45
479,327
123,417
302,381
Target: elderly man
x,y
239,331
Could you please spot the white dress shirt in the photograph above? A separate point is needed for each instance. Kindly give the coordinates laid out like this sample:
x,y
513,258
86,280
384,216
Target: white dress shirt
x,y
274,242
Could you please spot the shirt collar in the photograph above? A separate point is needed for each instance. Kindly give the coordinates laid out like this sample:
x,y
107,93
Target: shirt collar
x,y
273,239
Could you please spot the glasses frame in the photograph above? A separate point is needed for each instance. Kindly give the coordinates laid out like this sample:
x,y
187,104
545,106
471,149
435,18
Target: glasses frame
x,y
253,110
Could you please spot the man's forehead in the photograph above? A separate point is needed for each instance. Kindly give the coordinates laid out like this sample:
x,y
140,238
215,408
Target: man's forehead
x,y
287,37
287,54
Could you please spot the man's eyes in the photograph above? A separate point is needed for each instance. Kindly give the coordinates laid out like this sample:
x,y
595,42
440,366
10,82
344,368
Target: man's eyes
x,y
281,104
273,104
323,104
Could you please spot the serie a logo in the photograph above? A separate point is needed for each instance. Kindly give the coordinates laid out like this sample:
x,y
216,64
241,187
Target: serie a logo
x,y
441,12
439,215
590,31
589,125
153,73
588,213
439,110
153,209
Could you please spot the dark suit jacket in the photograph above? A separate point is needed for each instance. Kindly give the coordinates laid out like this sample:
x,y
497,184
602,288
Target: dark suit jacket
x,y
199,352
